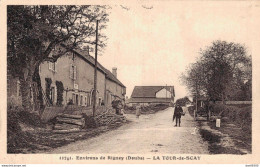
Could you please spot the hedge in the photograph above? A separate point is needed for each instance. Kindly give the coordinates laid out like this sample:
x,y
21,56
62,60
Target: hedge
x,y
240,116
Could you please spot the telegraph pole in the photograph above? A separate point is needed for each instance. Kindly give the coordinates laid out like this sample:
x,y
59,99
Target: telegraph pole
x,y
196,110
95,73
166,93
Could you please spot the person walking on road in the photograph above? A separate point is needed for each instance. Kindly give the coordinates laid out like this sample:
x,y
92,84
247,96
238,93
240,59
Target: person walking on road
x,y
138,112
178,112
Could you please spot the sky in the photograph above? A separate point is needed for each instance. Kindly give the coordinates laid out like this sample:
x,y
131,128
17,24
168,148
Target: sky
x,y
153,44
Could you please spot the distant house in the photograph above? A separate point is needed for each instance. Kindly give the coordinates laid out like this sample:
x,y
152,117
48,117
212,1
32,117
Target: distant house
x,y
145,95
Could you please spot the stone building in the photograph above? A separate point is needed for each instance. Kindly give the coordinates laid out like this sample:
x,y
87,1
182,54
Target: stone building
x,y
71,78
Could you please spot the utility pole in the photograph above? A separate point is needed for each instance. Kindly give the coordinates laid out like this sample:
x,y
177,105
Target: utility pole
x,y
196,110
166,93
95,73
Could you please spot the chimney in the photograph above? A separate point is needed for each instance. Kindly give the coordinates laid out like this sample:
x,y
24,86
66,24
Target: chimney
x,y
88,50
114,71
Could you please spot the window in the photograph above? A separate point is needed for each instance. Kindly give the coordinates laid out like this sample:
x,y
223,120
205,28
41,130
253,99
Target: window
x,y
73,98
99,101
18,86
89,99
73,72
81,100
52,94
86,101
52,66
77,99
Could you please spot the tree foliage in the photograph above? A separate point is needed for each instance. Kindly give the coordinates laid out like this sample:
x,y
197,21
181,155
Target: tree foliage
x,y
35,31
183,101
35,34
220,72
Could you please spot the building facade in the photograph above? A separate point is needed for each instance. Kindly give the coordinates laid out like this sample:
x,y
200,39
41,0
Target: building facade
x,y
71,80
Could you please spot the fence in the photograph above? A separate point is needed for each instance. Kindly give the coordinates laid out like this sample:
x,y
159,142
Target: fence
x,y
234,102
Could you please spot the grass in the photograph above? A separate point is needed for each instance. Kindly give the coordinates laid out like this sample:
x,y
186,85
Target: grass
x,y
43,141
27,134
215,144
241,138
237,126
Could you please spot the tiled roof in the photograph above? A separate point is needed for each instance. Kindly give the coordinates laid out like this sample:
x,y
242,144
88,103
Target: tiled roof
x,y
149,100
149,91
112,77
91,60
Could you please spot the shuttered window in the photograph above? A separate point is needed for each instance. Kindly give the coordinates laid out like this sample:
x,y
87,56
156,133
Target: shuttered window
x,y
52,66
55,66
73,98
73,72
86,101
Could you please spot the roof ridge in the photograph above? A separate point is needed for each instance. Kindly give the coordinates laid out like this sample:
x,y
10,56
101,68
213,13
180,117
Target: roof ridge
x,y
90,58
156,86
149,91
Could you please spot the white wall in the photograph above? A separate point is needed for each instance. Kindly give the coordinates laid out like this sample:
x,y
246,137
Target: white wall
x,y
163,94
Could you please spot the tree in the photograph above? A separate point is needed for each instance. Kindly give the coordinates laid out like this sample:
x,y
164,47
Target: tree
x,y
193,79
220,71
183,101
44,33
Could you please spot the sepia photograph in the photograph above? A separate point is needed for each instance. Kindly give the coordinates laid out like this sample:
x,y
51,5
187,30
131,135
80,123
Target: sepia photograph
x,y
148,81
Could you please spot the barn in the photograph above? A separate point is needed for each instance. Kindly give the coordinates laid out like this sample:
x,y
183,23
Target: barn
x,y
145,95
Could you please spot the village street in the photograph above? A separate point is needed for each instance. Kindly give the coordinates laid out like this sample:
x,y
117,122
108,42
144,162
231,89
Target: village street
x,y
154,133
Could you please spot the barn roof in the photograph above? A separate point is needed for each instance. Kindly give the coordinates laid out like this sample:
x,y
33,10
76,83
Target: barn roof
x,y
149,91
149,100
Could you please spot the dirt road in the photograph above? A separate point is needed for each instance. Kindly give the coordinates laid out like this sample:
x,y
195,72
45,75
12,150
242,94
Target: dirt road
x,y
153,133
